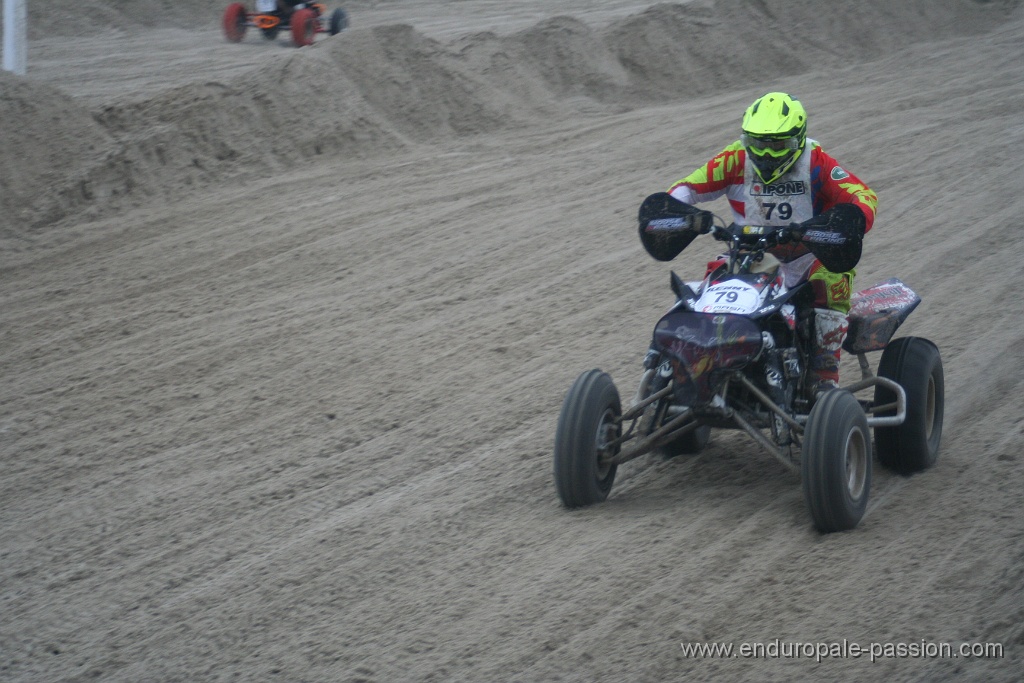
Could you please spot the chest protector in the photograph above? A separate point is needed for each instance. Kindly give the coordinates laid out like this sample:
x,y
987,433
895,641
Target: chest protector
x,y
787,200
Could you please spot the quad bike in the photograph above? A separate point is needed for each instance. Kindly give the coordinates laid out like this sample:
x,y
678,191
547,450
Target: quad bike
x,y
734,353
271,17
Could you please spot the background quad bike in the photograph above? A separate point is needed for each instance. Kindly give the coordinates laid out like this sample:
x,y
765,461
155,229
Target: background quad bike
x,y
303,23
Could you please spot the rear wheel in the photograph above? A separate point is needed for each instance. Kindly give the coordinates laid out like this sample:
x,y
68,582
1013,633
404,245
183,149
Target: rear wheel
x,y
913,363
303,24
235,19
271,33
690,443
836,462
589,421
339,21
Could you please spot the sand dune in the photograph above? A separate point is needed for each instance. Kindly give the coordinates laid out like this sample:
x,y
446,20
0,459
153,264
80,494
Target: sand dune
x,y
382,88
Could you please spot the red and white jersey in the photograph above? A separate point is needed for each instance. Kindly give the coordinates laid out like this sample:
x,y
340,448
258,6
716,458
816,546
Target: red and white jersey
x,y
815,184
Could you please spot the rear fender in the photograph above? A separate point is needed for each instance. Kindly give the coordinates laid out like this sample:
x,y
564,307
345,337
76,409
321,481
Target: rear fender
x,y
876,313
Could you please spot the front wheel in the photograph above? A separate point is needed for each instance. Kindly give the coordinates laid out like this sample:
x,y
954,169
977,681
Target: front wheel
x,y
836,462
235,22
303,23
913,363
588,423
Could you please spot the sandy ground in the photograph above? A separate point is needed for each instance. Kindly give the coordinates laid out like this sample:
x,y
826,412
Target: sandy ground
x,y
278,401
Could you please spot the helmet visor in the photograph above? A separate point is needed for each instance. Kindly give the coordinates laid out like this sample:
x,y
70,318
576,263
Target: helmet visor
x,y
775,147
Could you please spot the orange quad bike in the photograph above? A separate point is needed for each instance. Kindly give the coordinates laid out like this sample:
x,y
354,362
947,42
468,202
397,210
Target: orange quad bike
x,y
304,20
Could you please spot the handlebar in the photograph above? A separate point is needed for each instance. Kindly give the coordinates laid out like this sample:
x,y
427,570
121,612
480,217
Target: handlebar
x,y
756,236
667,226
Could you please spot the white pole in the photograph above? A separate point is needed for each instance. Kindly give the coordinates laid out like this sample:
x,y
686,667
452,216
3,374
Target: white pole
x,y
15,45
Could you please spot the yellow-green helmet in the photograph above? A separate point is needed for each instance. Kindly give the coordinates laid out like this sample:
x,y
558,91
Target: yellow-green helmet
x,y
774,134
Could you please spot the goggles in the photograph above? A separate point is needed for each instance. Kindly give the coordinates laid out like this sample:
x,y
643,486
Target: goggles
x,y
761,145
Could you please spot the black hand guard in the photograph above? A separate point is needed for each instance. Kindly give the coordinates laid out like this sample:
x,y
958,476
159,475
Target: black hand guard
x,y
835,237
667,225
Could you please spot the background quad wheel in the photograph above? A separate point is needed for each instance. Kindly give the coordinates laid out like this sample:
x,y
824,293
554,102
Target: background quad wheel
x,y
690,443
589,421
235,18
835,462
913,363
339,21
303,27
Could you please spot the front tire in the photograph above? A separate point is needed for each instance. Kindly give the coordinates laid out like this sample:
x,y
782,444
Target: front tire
x,y
235,18
836,462
589,421
303,24
915,364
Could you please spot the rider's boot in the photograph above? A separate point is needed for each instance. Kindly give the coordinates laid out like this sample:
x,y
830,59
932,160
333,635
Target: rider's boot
x,y
830,329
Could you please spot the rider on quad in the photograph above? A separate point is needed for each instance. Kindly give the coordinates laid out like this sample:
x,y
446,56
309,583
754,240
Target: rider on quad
x,y
774,175
288,7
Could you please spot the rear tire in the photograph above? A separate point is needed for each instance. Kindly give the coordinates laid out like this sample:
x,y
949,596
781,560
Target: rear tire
x,y
836,462
235,19
588,421
690,443
339,21
303,24
915,364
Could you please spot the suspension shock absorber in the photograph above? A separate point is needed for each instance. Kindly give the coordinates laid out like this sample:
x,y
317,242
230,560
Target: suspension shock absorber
x,y
777,368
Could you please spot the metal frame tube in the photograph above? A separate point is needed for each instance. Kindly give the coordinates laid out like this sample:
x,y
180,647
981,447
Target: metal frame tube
x,y
901,404
675,427
637,408
765,443
770,404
